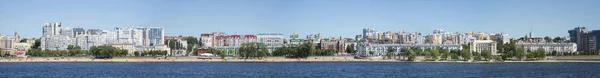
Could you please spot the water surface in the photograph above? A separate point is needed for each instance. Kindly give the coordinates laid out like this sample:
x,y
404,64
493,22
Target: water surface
x,y
298,69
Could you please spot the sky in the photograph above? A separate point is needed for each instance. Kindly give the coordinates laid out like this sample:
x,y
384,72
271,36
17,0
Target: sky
x,y
332,18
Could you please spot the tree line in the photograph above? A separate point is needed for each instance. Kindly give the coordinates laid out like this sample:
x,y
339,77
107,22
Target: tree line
x,y
107,51
192,45
303,50
71,51
151,53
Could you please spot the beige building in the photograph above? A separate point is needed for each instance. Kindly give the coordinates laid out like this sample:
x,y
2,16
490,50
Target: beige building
x,y
154,48
21,49
481,45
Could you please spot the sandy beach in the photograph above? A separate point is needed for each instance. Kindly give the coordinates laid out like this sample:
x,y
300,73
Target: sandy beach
x,y
267,59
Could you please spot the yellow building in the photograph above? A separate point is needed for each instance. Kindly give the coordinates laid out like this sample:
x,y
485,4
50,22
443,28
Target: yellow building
x,y
21,49
129,47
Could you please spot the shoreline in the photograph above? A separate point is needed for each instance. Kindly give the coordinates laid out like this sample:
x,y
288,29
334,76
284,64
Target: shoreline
x,y
265,60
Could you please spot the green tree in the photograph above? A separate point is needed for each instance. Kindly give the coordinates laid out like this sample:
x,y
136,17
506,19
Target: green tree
x,y
304,50
548,39
136,53
280,51
427,53
37,44
104,51
125,52
313,50
487,54
476,55
500,46
435,54
2,52
465,52
371,52
221,53
263,52
419,51
23,40
445,53
350,49
192,43
454,56
29,52
541,53
253,50
390,51
409,53
520,52
174,44
556,39
531,55
510,51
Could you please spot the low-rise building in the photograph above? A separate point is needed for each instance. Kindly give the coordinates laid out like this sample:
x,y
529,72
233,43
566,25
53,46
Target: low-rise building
x,y
481,45
550,47
142,49
380,49
271,39
21,49
129,47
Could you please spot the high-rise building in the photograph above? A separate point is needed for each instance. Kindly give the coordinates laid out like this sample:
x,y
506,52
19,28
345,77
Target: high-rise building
x,y
79,31
369,33
66,31
130,35
93,31
154,35
594,38
51,29
57,27
579,35
56,37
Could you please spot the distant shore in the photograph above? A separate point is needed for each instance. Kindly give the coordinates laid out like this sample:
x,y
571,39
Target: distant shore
x,y
267,59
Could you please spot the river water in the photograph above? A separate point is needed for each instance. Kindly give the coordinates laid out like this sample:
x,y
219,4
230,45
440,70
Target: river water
x,y
298,70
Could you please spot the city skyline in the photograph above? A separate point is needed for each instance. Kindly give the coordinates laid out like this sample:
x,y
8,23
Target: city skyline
x,y
346,19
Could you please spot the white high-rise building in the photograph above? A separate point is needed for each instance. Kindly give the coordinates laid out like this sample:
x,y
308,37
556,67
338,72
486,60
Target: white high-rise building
x,y
51,29
55,37
130,35
67,31
154,36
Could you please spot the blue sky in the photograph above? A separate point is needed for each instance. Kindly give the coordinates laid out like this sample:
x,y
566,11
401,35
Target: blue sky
x,y
329,17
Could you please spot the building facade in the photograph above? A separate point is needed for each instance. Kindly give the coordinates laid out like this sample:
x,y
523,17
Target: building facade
x,y
271,39
579,36
550,47
380,49
481,45
56,37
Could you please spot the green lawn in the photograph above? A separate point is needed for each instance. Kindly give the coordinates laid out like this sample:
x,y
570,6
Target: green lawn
x,y
581,56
